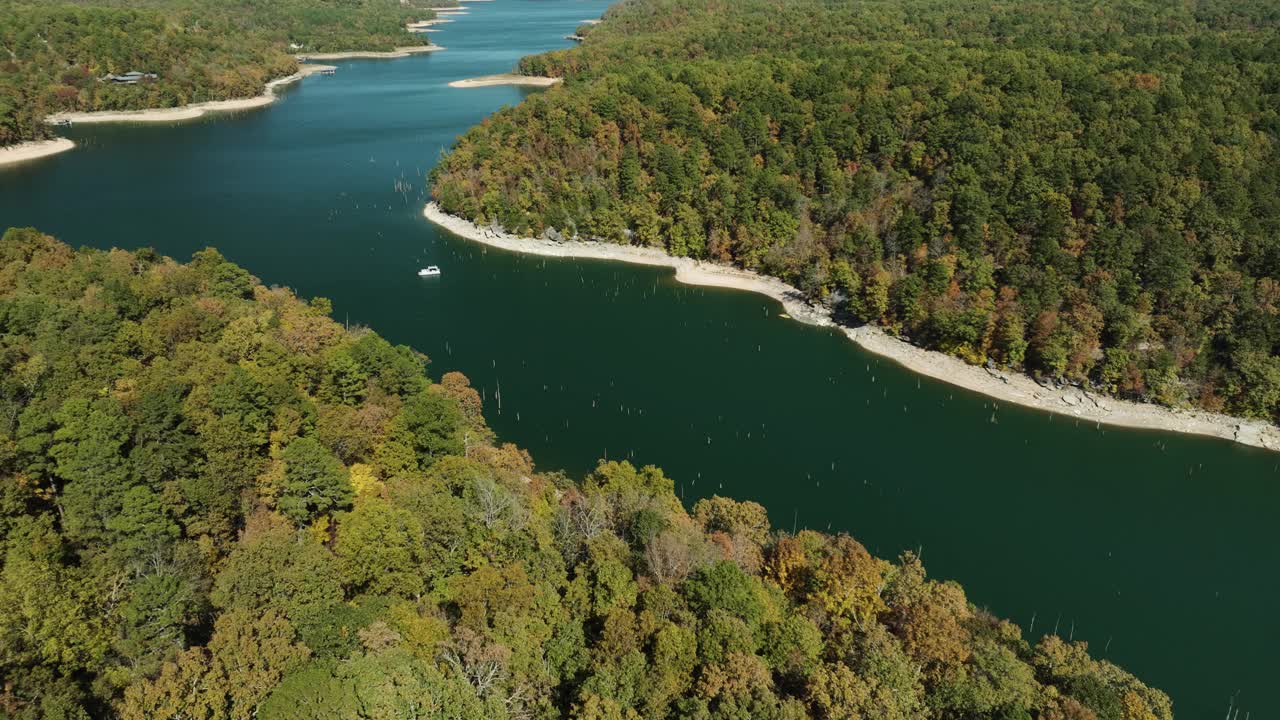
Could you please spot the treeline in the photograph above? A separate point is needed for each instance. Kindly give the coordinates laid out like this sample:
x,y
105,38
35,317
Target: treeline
x,y
54,55
215,502
1084,191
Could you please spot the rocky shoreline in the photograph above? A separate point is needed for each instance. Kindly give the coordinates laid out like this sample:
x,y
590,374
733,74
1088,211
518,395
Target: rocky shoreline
x,y
1002,385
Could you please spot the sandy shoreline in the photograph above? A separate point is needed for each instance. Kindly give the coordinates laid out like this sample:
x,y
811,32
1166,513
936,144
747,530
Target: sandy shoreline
x,y
399,52
426,25
33,150
188,112
1004,386
505,79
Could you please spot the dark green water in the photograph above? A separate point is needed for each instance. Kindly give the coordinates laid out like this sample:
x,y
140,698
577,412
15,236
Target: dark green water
x,y
1158,549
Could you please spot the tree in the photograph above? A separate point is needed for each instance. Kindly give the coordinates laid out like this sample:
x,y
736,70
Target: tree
x,y
50,615
836,691
458,388
251,653
379,549
849,583
180,691
389,685
162,604
608,580
792,646
724,586
314,482
434,425
88,452
143,524
274,567
933,632
344,381
314,693
246,658
717,514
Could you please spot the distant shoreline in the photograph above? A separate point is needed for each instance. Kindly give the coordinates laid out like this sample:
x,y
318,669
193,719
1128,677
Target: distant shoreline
x,y
33,150
268,95
506,79
188,112
1004,386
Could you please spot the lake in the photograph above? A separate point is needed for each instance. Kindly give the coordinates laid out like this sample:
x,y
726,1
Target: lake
x,y
1153,547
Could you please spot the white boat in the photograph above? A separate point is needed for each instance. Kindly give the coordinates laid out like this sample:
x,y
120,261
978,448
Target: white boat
x,y
429,271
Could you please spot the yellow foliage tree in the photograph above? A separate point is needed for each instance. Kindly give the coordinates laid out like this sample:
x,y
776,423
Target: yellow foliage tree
x,y
849,583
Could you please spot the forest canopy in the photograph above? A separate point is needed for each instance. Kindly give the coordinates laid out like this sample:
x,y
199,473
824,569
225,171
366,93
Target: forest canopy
x,y
216,502
55,54
1088,192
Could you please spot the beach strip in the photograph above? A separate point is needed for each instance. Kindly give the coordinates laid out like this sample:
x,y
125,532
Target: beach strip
x,y
426,25
506,79
33,150
399,52
1002,385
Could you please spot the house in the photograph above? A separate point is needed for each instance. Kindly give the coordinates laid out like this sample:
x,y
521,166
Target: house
x,y
131,78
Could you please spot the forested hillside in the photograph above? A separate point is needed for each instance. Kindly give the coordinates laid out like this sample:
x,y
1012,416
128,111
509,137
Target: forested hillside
x,y
216,502
1084,191
55,54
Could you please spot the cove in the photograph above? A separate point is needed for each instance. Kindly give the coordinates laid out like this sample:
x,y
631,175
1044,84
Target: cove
x,y
1153,547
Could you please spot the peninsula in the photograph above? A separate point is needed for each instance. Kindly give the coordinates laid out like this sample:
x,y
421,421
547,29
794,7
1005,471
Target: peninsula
x,y
919,172
506,79
33,150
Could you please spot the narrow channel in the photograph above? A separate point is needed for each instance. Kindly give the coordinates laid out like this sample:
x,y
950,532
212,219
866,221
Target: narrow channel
x,y
1154,547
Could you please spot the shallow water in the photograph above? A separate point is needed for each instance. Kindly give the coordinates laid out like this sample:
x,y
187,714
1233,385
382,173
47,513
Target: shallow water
x,y
1156,548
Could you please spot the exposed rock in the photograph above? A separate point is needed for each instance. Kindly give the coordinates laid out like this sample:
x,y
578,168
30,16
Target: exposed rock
x,y
996,373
